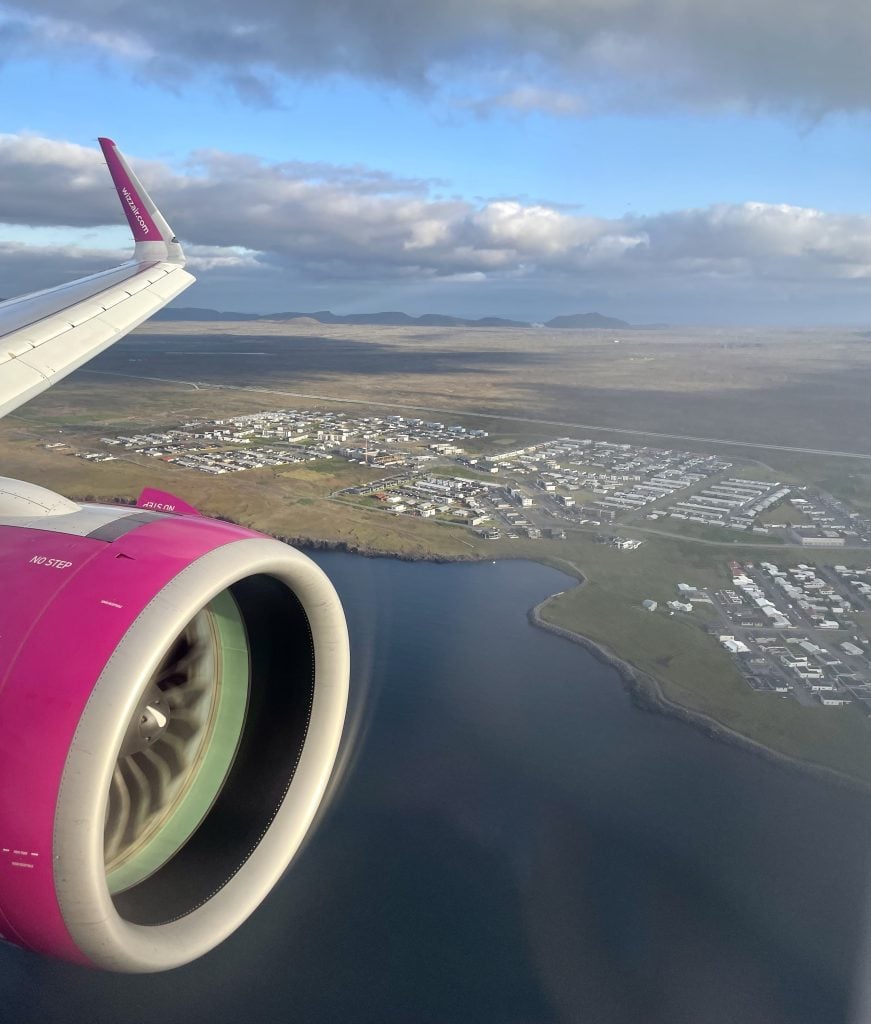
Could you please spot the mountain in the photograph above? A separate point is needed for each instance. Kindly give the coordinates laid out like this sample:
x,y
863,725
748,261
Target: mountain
x,y
390,318
393,318
324,316
588,320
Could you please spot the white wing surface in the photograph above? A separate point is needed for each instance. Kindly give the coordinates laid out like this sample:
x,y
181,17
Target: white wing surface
x,y
46,335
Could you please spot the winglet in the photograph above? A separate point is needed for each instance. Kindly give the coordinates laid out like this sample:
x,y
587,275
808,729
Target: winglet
x,y
153,236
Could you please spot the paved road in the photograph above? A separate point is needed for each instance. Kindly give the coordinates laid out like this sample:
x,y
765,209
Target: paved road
x,y
493,416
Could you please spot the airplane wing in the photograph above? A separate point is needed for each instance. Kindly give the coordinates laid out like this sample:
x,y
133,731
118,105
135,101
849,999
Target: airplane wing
x,y
46,335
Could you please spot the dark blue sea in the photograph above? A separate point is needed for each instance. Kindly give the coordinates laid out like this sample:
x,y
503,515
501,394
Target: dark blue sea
x,y
514,842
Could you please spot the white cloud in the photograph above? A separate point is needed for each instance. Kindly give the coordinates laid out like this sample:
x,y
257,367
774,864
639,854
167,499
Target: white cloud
x,y
204,258
532,99
326,227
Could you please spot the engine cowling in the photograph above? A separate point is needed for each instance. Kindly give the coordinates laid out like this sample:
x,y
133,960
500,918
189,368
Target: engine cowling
x,y
172,696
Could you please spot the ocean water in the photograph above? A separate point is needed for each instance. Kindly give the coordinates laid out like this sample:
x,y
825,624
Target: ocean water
x,y
513,841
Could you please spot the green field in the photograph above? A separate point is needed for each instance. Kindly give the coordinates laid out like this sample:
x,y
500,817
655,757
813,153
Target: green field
x,y
785,512
690,666
712,534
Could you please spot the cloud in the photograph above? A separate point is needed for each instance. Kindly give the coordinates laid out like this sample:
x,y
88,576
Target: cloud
x,y
27,32
796,55
320,226
27,268
209,258
531,99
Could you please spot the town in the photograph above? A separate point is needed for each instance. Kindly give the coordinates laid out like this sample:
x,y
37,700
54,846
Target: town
x,y
793,631
454,474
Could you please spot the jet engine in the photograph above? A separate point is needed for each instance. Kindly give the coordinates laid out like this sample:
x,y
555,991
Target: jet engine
x,y
172,695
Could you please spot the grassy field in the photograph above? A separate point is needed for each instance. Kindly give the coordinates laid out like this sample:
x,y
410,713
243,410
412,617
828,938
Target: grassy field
x,y
770,387
691,667
785,512
710,533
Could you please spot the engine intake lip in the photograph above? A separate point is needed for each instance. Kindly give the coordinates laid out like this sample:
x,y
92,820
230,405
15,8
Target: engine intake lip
x,y
180,913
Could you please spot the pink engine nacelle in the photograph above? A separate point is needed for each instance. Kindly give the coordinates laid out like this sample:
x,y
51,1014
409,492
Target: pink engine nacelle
x,y
172,695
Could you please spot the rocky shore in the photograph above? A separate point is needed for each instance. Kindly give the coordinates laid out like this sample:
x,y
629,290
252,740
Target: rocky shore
x,y
646,693
370,552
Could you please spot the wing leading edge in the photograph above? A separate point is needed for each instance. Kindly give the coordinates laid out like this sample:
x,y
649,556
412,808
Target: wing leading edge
x,y
46,335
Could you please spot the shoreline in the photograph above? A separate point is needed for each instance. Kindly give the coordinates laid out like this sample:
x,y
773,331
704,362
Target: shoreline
x,y
368,552
643,689
646,694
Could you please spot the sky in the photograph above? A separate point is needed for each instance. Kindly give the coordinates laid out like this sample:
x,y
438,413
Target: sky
x,y
685,161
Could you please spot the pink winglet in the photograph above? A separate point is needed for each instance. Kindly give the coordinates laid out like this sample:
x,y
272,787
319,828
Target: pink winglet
x,y
143,227
161,501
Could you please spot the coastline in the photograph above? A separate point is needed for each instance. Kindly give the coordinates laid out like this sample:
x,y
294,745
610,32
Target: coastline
x,y
643,689
646,693
369,552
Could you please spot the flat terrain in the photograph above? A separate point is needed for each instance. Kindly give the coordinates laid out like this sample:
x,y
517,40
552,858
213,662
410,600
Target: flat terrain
x,y
773,389
790,389
793,388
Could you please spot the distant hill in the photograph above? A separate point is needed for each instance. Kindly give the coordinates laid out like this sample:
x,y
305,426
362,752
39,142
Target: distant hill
x,y
393,318
390,318
588,320
324,316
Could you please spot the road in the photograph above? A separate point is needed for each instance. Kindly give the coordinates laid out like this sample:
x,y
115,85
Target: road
x,y
492,416
745,545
